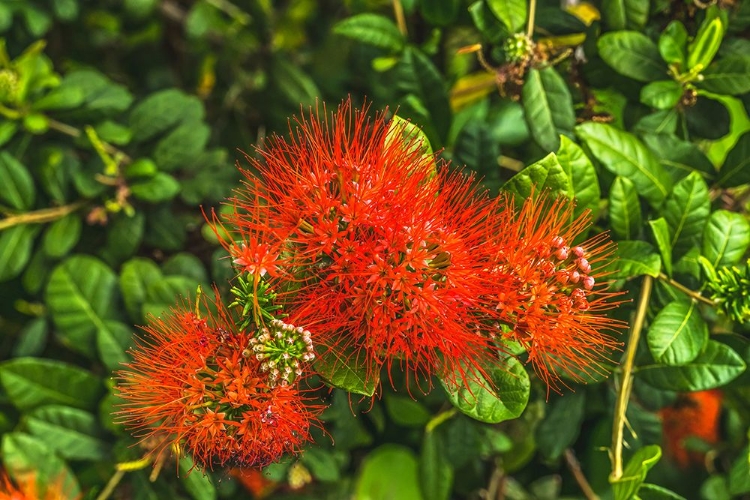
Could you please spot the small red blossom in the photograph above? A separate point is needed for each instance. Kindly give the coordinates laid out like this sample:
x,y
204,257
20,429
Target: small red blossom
x,y
382,254
695,414
195,382
556,303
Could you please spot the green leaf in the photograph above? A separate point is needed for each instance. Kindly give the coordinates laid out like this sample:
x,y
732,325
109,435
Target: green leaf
x,y
159,188
74,434
561,425
708,118
545,175
345,369
679,158
717,365
372,29
31,382
635,472
686,210
660,231
32,339
197,483
582,175
655,492
624,209
163,294
662,94
485,21
440,12
478,150
124,237
725,238
62,235
7,129
512,13
295,85
103,98
403,410
622,14
704,46
730,76
15,249
632,54
623,154
634,258
186,264
25,456
673,44
81,295
136,276
739,474
503,397
549,107
112,344
736,168
322,464
18,185
62,97
435,472
180,147
163,110
392,461
678,334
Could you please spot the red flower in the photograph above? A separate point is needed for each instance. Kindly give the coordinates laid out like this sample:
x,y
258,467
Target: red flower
x,y
384,255
695,414
29,488
201,384
555,306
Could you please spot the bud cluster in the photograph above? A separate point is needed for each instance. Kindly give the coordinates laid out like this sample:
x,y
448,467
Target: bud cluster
x,y
730,289
282,348
572,272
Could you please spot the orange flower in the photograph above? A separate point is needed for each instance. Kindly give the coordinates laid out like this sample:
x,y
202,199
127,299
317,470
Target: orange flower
x,y
255,482
29,489
556,303
216,391
695,414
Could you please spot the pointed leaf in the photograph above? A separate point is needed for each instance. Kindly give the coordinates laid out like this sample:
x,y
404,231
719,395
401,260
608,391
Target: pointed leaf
x,y
660,231
632,54
678,334
726,238
634,258
686,210
549,107
624,209
582,175
372,29
635,472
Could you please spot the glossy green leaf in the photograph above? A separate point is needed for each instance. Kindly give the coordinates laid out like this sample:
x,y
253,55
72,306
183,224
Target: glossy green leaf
x,y
717,365
159,188
662,94
548,106
729,76
162,111
512,13
395,462
198,484
73,433
503,397
136,276
686,211
739,474
81,295
112,343
18,186
62,97
634,258
632,54
478,150
582,175
623,154
655,492
704,46
123,238
15,249
7,129
62,235
323,464
546,175
403,410
624,209
678,333
726,238
180,147
26,456
736,168
634,473
165,293
372,29
435,471
660,230
622,14
32,382
679,158
673,44
32,339
295,86
561,425
345,370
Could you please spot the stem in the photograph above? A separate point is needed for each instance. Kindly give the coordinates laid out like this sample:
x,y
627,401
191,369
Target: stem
x,y
575,469
690,293
532,15
398,11
71,131
439,419
40,216
111,485
626,383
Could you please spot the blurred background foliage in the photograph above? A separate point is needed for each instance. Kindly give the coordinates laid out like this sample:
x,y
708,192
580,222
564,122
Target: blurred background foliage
x,y
119,120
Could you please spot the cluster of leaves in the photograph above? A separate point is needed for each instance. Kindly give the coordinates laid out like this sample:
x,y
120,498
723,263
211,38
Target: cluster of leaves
x,y
115,123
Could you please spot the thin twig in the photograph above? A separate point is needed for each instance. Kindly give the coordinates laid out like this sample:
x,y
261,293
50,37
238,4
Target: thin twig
x,y
75,133
687,291
575,469
398,11
111,485
40,216
626,383
532,15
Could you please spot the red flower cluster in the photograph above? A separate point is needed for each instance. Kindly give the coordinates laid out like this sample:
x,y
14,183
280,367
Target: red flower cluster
x,y
376,250
225,395
695,414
